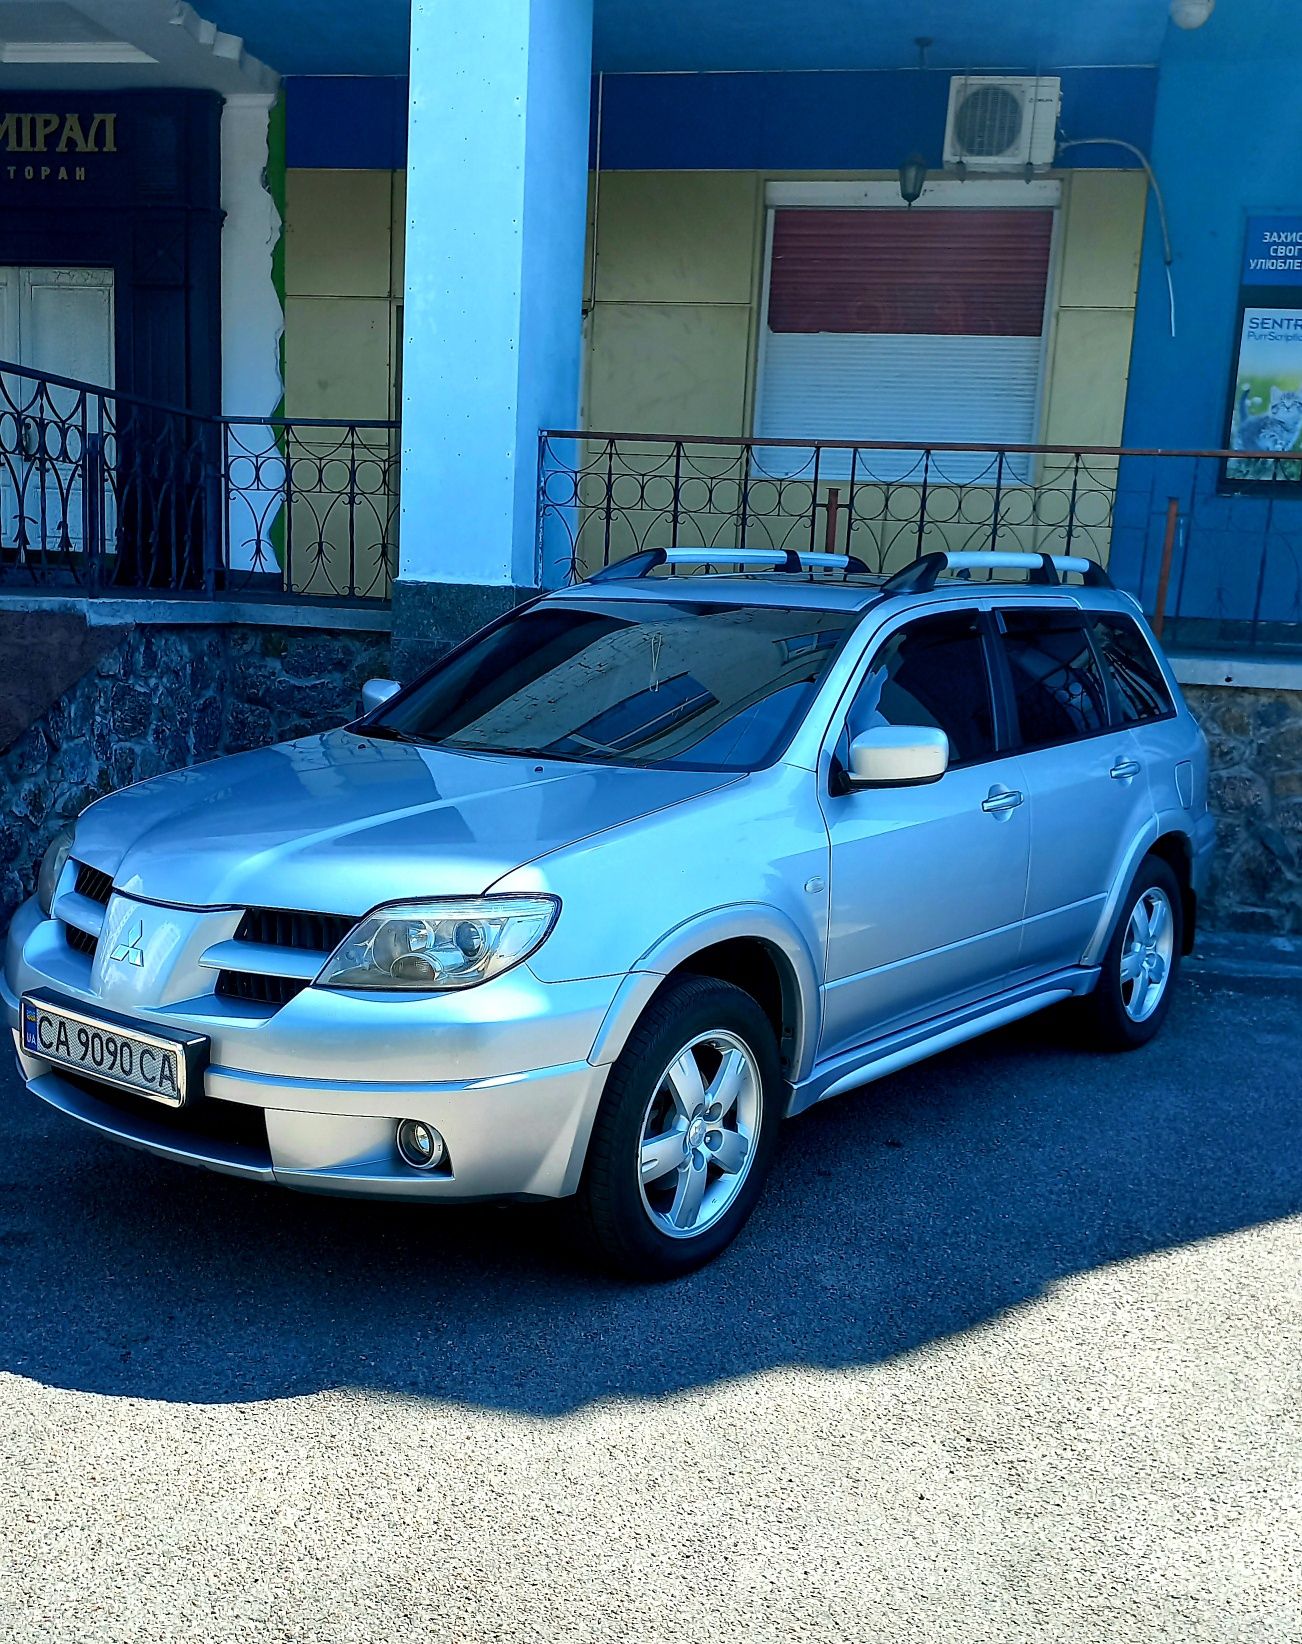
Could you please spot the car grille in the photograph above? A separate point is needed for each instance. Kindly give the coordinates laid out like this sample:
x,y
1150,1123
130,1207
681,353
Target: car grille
x,y
93,883
281,928
80,941
317,934
93,886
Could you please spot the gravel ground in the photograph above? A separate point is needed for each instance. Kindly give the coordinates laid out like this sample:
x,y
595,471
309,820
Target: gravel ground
x,y
1011,1352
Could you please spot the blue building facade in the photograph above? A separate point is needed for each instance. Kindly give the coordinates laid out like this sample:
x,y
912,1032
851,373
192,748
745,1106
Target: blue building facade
x,y
560,214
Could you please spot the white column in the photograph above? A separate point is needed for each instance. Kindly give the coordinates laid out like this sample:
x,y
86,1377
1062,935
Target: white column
x,y
496,198
252,322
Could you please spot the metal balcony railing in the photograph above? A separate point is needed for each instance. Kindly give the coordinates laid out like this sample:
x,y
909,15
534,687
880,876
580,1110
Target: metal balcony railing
x,y
107,493
1210,541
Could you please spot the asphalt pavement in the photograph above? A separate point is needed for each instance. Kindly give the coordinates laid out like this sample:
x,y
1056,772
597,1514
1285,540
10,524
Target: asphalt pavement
x,y
1012,1351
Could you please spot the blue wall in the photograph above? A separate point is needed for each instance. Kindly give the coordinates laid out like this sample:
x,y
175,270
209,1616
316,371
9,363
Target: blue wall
x,y
834,122
1227,144
346,122
729,122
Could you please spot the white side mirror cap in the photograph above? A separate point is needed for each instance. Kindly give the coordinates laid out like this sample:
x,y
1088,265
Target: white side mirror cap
x,y
377,691
896,756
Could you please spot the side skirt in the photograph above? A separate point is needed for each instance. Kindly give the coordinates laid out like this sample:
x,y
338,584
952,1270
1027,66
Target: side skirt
x,y
875,1060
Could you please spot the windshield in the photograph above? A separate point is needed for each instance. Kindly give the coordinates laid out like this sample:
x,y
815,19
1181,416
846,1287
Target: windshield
x,y
648,682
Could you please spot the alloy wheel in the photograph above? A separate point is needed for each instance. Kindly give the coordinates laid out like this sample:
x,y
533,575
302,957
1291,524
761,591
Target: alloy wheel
x,y
1146,954
699,1133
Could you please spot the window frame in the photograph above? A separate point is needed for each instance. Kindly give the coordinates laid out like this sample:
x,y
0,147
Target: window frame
x,y
838,781
945,193
1097,618
1017,745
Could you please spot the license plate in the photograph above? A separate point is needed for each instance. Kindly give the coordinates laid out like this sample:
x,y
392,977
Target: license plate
x,y
154,1063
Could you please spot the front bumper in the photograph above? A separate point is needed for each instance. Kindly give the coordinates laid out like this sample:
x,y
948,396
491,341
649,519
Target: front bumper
x,y
310,1096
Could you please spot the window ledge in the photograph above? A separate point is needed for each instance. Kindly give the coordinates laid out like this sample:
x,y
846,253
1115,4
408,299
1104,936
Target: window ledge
x,y
1262,673
191,613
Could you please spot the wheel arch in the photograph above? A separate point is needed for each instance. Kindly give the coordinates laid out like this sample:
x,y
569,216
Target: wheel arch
x,y
1173,846
1176,850
756,948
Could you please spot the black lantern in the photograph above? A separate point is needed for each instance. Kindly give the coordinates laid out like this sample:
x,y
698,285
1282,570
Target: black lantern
x,y
913,178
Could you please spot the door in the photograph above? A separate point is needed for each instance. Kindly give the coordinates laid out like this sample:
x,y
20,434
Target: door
x,y
1089,795
928,882
57,321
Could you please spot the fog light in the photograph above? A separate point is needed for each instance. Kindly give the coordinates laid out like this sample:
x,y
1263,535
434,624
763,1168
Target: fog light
x,y
420,1145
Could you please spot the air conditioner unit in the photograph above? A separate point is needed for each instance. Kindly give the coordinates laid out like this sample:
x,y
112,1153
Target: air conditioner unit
x,y
997,123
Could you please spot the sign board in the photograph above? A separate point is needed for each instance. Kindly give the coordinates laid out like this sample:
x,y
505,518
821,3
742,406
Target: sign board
x,y
1264,418
1273,252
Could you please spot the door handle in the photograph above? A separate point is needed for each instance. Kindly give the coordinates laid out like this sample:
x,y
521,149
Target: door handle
x,y
1124,769
999,801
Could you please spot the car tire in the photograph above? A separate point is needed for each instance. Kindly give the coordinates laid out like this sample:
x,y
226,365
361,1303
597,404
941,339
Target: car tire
x,y
656,1200
1141,962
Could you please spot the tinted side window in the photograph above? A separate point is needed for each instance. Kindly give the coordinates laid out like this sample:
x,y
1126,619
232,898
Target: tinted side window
x,y
1139,691
1057,683
932,672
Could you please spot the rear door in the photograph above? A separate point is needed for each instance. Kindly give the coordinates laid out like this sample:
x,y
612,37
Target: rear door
x,y
928,882
1088,792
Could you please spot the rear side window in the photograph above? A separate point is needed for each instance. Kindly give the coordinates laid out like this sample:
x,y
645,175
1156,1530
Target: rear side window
x,y
1139,692
932,672
1058,686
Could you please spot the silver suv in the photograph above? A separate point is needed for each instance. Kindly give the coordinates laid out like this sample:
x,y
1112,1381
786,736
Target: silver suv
x,y
624,880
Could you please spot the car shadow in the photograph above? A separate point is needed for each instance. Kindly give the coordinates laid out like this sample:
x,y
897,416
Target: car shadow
x,y
917,1209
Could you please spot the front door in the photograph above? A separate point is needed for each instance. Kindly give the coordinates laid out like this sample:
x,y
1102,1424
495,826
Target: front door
x,y
55,321
928,882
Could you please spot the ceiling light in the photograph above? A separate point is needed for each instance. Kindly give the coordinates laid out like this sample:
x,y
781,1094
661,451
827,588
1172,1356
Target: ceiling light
x,y
1191,14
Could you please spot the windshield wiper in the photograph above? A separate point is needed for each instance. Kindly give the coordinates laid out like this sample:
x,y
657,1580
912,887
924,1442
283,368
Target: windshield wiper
x,y
517,753
391,733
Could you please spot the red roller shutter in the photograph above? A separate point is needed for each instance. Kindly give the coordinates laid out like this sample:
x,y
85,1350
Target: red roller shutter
x,y
964,272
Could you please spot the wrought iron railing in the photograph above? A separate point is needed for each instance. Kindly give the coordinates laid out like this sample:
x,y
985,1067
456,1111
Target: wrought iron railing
x,y
108,493
1211,541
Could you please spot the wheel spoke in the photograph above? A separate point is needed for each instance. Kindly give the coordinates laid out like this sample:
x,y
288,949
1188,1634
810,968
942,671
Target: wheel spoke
x,y
686,1085
731,1152
1139,923
688,1195
726,1085
1131,965
661,1154
1157,923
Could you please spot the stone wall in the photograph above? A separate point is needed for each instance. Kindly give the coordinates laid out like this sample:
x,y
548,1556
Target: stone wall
x,y
161,697
1255,738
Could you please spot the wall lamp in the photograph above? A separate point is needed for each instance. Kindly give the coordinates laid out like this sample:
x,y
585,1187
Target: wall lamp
x,y
913,178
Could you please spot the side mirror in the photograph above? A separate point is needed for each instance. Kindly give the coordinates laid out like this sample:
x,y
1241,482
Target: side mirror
x,y
377,691
898,756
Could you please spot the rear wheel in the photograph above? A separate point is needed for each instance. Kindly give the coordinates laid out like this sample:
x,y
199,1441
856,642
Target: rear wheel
x,y
1142,961
685,1134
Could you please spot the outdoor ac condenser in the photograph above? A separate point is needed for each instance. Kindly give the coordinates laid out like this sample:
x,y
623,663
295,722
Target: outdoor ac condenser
x,y
1000,123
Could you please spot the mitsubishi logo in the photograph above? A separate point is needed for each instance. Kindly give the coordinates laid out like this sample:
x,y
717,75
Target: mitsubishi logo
x,y
130,950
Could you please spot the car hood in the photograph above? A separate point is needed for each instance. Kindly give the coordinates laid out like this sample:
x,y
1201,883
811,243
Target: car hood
x,y
338,823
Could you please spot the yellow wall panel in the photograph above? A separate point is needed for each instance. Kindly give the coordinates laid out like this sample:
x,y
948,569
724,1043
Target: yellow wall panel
x,y
1103,229
685,236
337,357
338,232
1090,368
668,368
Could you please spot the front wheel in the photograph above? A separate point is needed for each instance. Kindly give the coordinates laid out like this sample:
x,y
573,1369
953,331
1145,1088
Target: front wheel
x,y
686,1130
1142,960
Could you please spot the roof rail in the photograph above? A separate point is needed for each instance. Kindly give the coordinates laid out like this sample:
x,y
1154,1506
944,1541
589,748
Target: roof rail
x,y
923,574
764,559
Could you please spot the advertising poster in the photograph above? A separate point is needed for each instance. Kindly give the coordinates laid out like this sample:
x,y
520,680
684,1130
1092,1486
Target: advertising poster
x,y
1265,417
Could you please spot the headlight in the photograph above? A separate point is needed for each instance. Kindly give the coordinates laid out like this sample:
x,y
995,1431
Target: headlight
x,y
52,865
423,947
